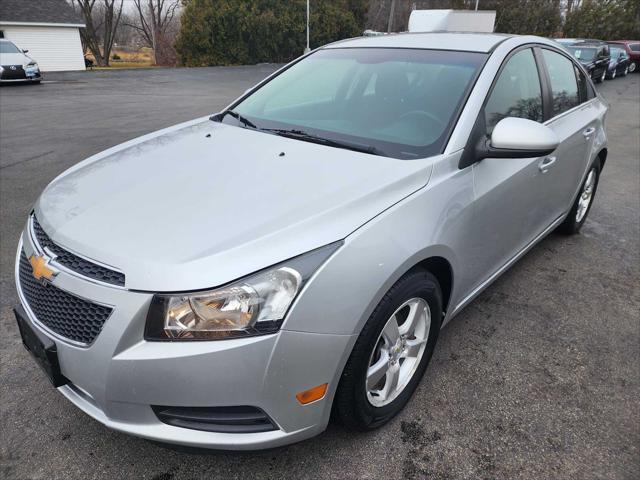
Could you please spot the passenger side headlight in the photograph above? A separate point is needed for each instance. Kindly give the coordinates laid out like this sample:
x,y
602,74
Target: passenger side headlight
x,y
255,305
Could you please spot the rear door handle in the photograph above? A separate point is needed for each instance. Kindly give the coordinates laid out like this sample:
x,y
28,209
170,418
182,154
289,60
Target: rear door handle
x,y
546,164
588,132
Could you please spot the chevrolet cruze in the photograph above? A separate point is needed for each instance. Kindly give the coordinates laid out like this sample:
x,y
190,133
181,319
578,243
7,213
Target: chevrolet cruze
x,y
230,281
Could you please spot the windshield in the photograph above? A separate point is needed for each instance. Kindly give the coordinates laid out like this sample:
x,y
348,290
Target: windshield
x,y
400,103
616,52
8,47
584,54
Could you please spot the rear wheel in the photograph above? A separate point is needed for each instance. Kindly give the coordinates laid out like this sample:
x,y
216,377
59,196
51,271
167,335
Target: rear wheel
x,y
626,71
632,67
391,353
580,209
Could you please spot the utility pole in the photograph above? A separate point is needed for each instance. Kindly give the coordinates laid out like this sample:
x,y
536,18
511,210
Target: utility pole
x,y
392,11
477,4
307,49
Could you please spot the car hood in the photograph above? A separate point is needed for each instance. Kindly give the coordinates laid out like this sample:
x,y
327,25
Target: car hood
x,y
14,59
203,203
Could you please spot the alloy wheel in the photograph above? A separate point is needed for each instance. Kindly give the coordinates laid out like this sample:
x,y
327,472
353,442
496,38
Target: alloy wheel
x,y
586,195
398,352
603,77
632,67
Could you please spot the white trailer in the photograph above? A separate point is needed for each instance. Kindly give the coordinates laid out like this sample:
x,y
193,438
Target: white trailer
x,y
452,21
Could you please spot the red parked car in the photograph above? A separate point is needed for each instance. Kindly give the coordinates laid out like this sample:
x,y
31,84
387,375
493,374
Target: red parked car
x,y
632,48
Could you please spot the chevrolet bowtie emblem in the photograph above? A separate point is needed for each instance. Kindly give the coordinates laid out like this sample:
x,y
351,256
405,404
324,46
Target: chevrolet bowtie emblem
x,y
41,271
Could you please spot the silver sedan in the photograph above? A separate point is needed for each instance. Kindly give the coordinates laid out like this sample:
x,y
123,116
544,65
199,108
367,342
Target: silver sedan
x,y
228,282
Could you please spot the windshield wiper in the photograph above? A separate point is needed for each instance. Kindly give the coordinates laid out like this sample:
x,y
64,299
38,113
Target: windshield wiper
x,y
308,137
245,121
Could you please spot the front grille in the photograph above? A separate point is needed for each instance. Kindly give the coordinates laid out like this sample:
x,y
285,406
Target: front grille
x,y
74,262
67,315
237,419
13,72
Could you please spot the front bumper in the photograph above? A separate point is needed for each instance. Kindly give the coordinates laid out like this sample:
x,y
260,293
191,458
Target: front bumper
x,y
18,75
118,377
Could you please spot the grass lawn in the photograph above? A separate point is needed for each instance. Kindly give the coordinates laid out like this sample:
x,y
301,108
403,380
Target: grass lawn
x,y
126,58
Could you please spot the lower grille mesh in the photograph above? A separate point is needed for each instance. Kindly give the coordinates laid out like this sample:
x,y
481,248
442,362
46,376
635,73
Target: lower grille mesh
x,y
65,314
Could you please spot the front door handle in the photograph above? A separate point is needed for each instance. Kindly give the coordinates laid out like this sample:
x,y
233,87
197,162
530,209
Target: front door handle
x,y
546,164
588,132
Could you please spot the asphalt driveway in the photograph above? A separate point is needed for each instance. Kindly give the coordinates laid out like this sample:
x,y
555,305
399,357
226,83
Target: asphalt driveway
x,y
537,378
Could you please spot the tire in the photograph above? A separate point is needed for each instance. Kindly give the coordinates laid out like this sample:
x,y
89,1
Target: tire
x,y
613,75
626,71
632,67
354,403
575,220
603,76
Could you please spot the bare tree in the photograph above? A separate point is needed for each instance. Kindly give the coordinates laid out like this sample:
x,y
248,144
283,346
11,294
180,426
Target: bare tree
x,y
155,23
101,25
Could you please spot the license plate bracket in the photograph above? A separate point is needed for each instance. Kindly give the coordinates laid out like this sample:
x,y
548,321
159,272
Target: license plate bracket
x,y
41,348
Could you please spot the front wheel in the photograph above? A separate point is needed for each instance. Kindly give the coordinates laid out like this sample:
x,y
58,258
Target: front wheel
x,y
626,71
580,209
632,67
602,77
391,353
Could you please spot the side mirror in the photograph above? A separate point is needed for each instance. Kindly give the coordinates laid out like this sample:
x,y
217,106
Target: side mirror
x,y
519,138
25,51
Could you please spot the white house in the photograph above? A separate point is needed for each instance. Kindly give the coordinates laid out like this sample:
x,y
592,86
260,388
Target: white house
x,y
49,29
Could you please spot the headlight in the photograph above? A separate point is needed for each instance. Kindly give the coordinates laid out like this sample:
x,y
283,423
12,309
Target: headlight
x,y
32,66
255,305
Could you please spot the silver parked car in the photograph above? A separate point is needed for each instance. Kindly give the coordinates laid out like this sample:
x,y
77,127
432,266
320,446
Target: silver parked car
x,y
16,66
227,282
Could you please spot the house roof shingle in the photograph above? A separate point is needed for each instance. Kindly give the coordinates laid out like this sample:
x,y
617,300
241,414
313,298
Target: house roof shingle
x,y
38,11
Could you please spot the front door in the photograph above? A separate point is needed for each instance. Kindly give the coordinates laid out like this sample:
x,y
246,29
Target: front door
x,y
507,206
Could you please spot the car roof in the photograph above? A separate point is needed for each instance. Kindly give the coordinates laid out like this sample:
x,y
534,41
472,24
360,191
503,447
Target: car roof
x,y
468,42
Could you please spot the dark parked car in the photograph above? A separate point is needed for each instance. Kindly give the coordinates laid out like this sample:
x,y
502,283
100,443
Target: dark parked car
x,y
632,47
15,66
565,42
619,63
594,57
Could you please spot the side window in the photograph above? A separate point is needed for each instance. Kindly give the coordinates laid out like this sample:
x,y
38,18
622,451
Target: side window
x,y
564,86
634,47
517,91
584,90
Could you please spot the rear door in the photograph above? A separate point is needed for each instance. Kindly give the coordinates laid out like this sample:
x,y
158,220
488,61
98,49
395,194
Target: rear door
x,y
573,118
